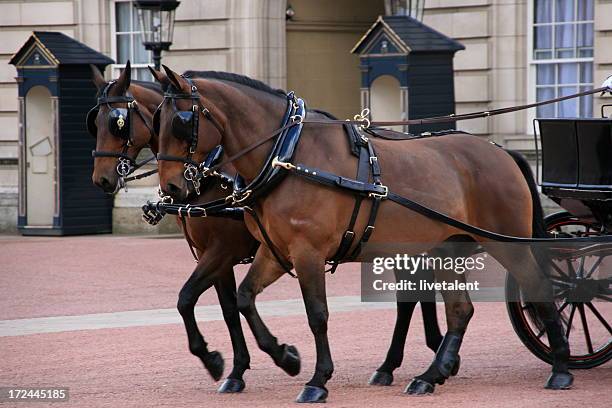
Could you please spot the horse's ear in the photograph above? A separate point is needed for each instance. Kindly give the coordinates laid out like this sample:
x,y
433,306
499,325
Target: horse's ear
x,y
159,76
97,77
123,82
173,77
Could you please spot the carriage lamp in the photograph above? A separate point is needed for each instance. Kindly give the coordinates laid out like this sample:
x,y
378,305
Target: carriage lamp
x,y
157,25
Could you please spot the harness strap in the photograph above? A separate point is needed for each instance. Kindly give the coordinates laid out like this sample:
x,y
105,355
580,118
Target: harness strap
x,y
376,200
349,235
188,238
269,243
382,192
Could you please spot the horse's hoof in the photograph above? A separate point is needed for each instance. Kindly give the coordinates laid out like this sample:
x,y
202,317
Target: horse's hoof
x,y
214,363
231,386
312,394
455,369
560,381
419,387
290,360
381,378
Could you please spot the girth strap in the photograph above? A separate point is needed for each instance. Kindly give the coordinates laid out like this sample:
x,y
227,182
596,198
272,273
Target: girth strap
x,y
363,170
188,238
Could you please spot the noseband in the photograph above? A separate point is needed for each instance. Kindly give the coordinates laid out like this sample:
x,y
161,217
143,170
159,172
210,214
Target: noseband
x,y
120,125
185,126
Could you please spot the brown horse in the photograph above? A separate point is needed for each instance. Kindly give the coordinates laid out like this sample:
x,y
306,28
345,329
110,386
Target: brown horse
x,y
462,176
220,244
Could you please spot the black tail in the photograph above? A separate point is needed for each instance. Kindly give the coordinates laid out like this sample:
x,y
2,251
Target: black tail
x,y
538,226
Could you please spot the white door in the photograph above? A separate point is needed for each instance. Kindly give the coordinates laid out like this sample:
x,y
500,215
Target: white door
x,y
40,166
386,100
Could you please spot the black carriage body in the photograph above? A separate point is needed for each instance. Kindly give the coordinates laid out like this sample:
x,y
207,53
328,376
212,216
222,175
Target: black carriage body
x,y
577,165
61,64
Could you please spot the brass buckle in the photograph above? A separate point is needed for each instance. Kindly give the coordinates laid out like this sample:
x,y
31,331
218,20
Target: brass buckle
x,y
285,165
241,199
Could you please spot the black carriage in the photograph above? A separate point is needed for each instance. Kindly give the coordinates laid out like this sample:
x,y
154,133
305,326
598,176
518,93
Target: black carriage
x,y
576,173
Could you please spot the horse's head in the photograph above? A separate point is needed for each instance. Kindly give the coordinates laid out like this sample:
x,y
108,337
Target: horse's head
x,y
189,127
121,125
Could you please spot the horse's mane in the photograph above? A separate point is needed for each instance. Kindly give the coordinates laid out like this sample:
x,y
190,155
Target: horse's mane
x,y
236,78
152,86
246,81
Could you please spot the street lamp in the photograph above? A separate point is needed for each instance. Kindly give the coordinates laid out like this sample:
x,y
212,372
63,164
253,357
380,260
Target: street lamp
x,y
157,25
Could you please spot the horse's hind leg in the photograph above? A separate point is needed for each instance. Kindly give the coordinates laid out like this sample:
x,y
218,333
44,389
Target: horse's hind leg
x,y
433,337
528,266
226,291
459,311
395,355
202,278
264,271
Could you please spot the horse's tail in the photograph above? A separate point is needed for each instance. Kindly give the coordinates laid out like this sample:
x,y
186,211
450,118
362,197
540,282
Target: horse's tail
x,y
538,225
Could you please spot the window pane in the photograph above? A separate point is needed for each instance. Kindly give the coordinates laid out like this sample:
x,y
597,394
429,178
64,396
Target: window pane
x,y
122,16
545,74
585,10
123,48
135,20
568,74
586,103
585,35
564,10
543,37
141,55
543,11
143,74
568,108
586,72
564,36
545,111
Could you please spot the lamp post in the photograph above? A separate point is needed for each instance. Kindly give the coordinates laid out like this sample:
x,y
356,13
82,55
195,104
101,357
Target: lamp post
x,y
412,8
157,24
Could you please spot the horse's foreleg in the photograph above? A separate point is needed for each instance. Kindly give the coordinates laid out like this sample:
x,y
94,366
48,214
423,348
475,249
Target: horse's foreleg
x,y
459,311
202,278
226,291
310,268
264,271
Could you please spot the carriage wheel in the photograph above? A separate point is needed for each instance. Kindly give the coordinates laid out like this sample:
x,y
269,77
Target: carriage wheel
x,y
586,323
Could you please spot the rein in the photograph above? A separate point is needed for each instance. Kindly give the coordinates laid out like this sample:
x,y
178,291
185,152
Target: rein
x,y
363,122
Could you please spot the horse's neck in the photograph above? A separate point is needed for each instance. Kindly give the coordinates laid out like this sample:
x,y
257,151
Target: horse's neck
x,y
251,115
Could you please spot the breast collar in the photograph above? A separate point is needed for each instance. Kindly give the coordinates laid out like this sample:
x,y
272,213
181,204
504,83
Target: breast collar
x,y
284,149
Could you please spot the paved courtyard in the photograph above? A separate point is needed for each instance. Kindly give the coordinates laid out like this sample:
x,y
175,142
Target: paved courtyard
x,y
97,315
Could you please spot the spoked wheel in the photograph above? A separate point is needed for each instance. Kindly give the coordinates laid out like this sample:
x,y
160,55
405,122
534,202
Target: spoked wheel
x,y
587,324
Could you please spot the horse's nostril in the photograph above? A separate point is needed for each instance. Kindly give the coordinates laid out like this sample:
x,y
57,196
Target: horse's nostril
x,y
106,185
173,189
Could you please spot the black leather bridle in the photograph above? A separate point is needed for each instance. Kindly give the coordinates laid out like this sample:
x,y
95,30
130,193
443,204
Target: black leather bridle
x,y
185,126
120,125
